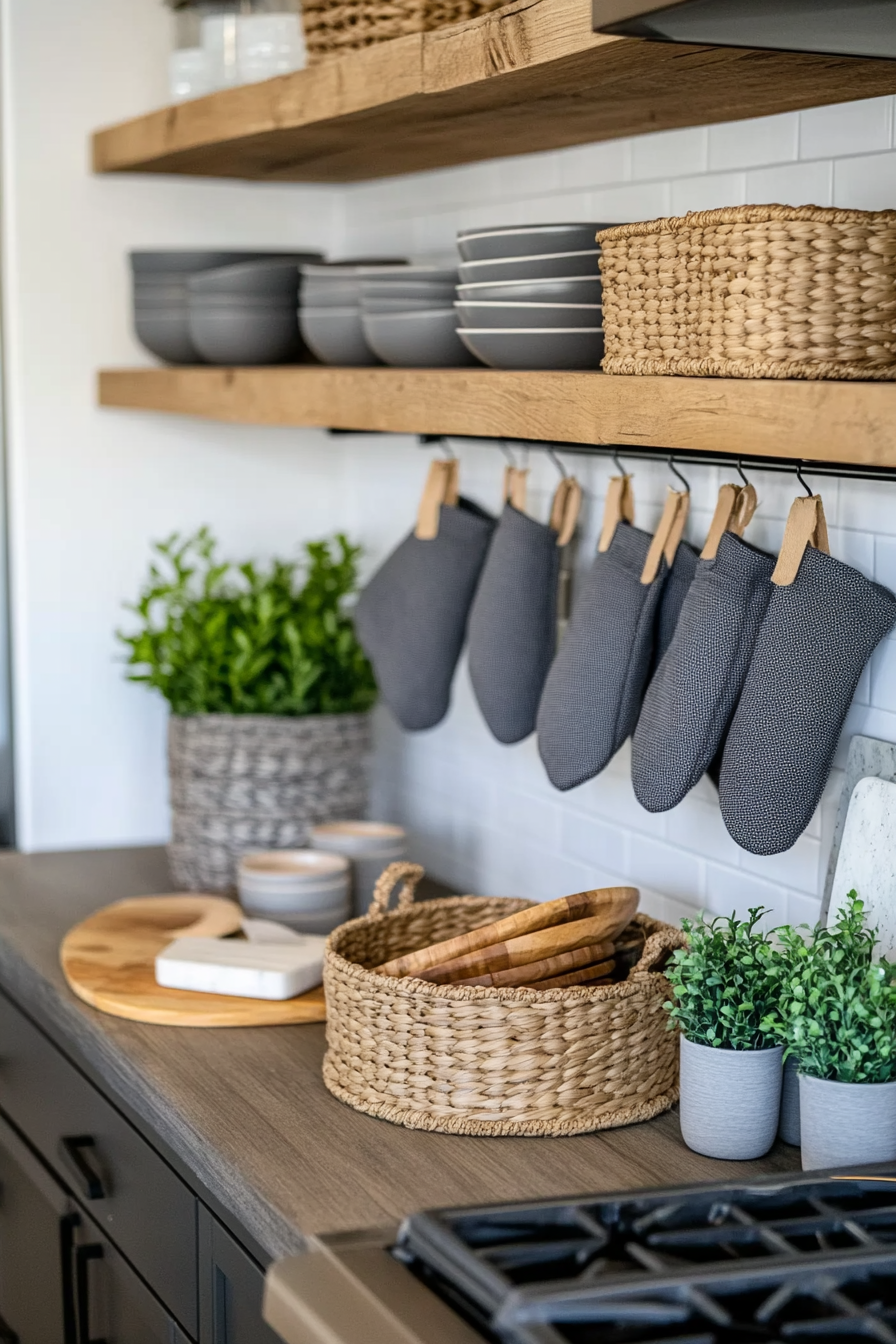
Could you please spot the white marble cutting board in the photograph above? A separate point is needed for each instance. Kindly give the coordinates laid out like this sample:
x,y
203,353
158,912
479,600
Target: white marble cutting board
x,y
867,859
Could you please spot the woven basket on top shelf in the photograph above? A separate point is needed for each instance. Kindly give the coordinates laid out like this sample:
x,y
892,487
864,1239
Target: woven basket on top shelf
x,y
335,26
474,1060
767,291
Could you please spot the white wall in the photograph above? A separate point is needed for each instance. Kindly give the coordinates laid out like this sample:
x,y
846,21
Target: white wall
x,y
90,488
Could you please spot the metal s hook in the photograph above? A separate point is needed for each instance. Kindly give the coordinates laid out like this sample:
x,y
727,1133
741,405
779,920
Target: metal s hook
x,y
739,468
676,472
802,480
432,440
556,461
507,453
619,467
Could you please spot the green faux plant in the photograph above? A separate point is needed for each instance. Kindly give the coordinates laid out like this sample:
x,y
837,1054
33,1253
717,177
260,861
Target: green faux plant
x,y
726,982
219,638
836,1012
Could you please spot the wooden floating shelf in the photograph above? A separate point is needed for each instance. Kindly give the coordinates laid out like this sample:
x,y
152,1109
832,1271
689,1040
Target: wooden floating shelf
x,y
531,76
836,422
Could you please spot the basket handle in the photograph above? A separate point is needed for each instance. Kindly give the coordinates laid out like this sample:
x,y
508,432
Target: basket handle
x,y
657,950
411,873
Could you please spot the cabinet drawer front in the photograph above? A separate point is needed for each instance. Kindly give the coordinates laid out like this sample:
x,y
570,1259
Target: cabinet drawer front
x,y
128,1189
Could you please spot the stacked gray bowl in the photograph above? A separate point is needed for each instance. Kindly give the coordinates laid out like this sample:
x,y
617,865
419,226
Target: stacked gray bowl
x,y
161,296
330,313
530,296
248,313
408,316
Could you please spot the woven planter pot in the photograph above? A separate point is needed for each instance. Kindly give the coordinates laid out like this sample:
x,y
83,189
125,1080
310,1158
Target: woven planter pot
x,y
243,782
473,1060
336,26
753,292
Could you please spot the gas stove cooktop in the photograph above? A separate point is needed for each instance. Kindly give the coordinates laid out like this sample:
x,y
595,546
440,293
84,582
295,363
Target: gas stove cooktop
x,y
776,1260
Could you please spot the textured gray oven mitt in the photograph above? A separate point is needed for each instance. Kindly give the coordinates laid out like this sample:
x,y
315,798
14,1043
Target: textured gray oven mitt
x,y
412,616
513,624
678,581
693,694
593,692
817,635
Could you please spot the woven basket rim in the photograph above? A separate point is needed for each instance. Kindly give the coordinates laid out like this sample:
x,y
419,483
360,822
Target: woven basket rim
x,y
745,214
409,987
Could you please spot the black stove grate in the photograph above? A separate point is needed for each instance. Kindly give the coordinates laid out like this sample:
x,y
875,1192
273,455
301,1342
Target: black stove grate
x,y
764,1261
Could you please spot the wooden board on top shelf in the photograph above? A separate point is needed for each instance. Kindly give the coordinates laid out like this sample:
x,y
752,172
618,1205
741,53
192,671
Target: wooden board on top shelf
x,y
820,421
531,76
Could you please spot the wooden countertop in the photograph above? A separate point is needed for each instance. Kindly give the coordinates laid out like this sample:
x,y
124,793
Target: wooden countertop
x,y
245,1110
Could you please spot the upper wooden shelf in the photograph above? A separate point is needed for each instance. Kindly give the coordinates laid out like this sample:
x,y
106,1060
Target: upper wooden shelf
x,y
531,76
817,421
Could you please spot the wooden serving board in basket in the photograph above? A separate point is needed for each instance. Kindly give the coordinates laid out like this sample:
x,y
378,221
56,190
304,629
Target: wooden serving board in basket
x,y
109,962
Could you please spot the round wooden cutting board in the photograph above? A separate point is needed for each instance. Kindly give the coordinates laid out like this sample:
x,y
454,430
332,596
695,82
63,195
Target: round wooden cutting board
x,y
109,962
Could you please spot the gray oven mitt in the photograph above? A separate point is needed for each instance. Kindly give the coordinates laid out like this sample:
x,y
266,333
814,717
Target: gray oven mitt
x,y
593,692
411,618
817,635
678,581
513,624
690,701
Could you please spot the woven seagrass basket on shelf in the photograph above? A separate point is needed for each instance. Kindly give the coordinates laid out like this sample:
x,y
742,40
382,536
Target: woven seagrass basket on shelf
x,y
335,26
474,1060
767,291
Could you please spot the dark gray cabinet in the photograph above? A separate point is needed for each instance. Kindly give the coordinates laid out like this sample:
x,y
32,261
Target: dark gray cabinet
x,y
101,1241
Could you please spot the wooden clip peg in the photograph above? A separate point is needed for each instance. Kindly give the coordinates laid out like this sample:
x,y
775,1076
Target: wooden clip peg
x,y
746,506
516,484
668,533
565,509
806,526
441,488
726,509
619,507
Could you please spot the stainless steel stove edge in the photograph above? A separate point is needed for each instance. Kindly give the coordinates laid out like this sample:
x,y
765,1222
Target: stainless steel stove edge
x,y
347,1289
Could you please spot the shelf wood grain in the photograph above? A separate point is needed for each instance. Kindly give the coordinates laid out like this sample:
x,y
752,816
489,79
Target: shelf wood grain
x,y
818,421
531,76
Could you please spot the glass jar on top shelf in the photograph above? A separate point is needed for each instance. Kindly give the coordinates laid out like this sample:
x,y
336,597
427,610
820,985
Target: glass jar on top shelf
x,y
222,43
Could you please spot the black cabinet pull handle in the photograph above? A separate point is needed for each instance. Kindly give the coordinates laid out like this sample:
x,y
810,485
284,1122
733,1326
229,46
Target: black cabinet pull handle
x,y
79,1155
67,1225
83,1257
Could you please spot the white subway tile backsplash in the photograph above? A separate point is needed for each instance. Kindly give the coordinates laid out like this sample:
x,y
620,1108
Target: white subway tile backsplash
x,y
846,128
754,143
484,816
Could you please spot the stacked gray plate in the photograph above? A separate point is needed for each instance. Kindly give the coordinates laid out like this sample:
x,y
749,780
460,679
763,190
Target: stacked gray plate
x,y
161,295
330,310
246,314
530,296
408,316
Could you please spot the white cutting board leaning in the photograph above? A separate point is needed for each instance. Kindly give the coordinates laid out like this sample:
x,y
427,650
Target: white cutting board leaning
x,y
867,859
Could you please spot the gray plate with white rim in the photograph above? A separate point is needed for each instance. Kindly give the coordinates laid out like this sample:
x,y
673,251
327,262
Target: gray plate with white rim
x,y
541,266
336,336
544,348
529,315
523,240
425,340
577,289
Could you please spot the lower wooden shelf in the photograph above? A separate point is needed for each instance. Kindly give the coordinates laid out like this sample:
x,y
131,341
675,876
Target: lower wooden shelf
x,y
819,421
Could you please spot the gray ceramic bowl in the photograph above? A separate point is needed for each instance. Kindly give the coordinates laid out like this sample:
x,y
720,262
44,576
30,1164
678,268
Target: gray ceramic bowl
x,y
170,295
526,240
432,275
557,348
245,335
165,332
337,294
529,315
254,279
578,289
405,305
342,270
146,265
544,266
336,336
407,289
425,340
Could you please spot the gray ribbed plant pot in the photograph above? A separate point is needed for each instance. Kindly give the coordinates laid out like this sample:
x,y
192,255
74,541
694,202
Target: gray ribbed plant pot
x,y
253,781
730,1100
846,1124
789,1124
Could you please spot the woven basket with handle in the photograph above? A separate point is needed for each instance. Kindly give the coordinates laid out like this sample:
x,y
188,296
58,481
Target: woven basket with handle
x,y
335,26
753,291
472,1060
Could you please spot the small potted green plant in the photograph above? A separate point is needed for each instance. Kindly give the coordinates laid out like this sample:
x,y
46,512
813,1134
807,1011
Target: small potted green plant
x,y
726,983
837,1015
269,693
